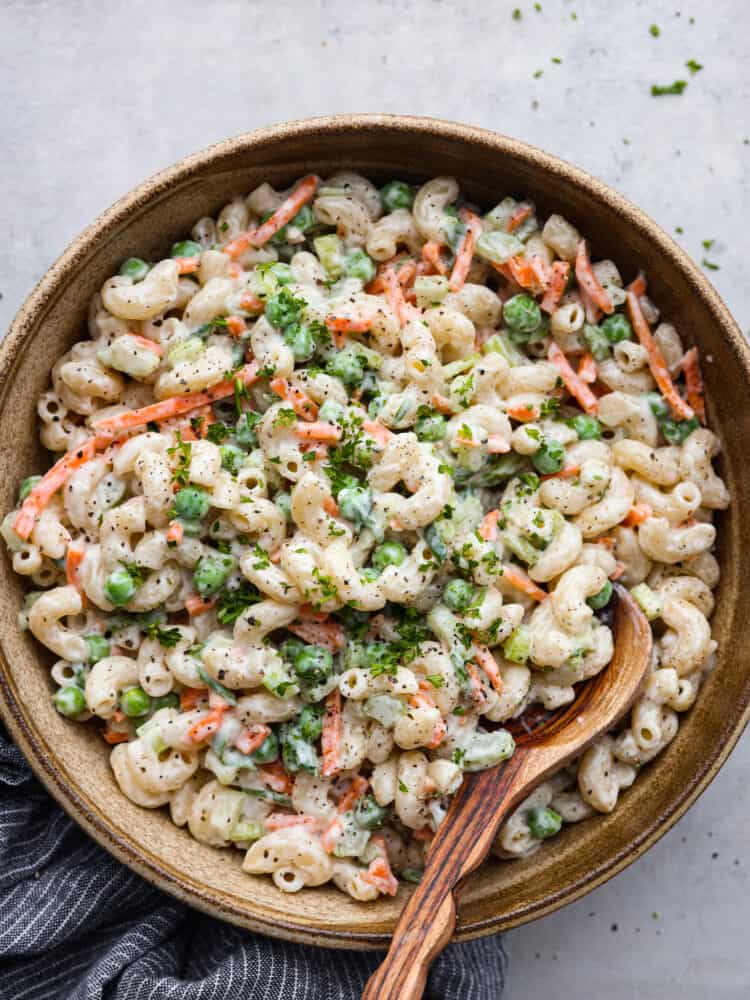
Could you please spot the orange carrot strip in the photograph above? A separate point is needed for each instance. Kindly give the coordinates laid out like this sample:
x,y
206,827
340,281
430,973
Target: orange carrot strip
x,y
394,295
424,834
319,431
423,699
656,361
477,688
379,874
333,732
331,507
606,540
236,325
188,265
236,247
354,792
328,634
488,527
251,303
587,368
618,571
348,324
407,272
380,432
488,663
637,514
442,404
573,382
112,736
196,605
497,445
432,256
638,285
520,215
252,737
189,698
207,725
691,367
558,279
302,193
589,282
522,412
465,253
331,834
177,405
175,532
275,777
301,403
149,345
567,473
73,559
518,579
53,480
282,820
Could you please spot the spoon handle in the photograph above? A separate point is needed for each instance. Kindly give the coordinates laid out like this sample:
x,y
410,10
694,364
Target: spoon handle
x,y
460,846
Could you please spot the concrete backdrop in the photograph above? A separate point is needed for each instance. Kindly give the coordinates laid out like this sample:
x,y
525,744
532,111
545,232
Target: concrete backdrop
x,y
98,95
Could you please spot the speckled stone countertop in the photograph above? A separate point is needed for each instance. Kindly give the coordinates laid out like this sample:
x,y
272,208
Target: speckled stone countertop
x,y
98,95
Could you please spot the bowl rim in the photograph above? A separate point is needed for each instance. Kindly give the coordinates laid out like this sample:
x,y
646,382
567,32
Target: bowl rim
x,y
90,240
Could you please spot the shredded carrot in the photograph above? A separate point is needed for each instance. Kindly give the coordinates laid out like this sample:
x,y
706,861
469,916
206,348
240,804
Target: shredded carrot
x,y
691,367
331,507
253,737
148,345
112,736
520,215
656,361
558,280
637,514
307,613
236,247
53,480
379,873
523,272
282,821
461,439
215,700
303,192
465,253
488,527
208,724
196,605
488,663
518,579
394,295
432,256
587,368
319,431
478,695
329,837
423,699
606,540
348,324
497,445
638,285
301,403
522,412
380,432
588,281
236,325
619,569
573,382
566,473
175,532
424,834
406,273
189,698
73,559
275,777
333,732
188,265
442,404
328,634
177,405
251,303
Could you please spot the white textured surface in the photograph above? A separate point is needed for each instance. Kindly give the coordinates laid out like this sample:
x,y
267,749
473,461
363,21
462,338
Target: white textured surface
x,y
98,95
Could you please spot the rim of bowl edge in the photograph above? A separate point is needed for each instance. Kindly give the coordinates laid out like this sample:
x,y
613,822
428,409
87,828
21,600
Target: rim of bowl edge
x,y
64,791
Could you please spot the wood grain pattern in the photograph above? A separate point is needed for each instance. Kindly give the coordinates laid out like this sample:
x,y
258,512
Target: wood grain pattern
x,y
485,799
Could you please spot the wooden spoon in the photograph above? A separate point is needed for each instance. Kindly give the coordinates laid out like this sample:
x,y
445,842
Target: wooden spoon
x,y
545,742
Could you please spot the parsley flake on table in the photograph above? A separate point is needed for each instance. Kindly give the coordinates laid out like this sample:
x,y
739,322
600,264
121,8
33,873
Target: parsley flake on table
x,y
655,30
710,265
707,244
693,66
517,14
674,88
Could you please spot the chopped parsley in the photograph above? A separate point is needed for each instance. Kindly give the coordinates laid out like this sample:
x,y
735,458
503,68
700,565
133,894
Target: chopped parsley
x,y
673,88
182,450
655,30
231,603
168,637
286,417
693,66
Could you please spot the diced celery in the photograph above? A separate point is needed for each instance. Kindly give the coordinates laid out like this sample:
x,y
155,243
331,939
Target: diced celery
x,y
498,247
500,344
151,734
430,290
462,365
279,681
185,349
499,216
487,749
649,600
330,253
353,839
225,774
520,547
384,708
517,647
443,624
246,830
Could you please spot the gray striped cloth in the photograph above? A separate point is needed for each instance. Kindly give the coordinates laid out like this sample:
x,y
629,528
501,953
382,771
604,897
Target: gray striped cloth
x,y
75,923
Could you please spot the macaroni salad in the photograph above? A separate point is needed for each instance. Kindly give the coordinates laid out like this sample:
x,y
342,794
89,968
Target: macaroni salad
x,y
343,484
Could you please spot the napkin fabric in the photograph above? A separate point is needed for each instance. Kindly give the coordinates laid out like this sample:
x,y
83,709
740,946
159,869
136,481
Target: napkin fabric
x,y
75,924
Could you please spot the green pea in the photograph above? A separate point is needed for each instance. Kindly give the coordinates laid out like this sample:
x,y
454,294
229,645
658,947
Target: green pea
x,y
268,751
430,428
98,647
284,502
543,822
134,268
119,587
347,366
211,573
616,328
587,428
313,664
388,554
70,701
244,430
332,412
192,502
369,574
675,431
411,875
311,722
135,702
550,457
359,265
596,342
458,594
299,337
290,649
521,314
397,194
659,405
27,486
232,458
171,700
355,503
368,815
193,529
602,598
186,248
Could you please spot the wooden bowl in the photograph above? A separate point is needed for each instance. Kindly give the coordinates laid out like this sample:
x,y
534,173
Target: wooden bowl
x,y
72,761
